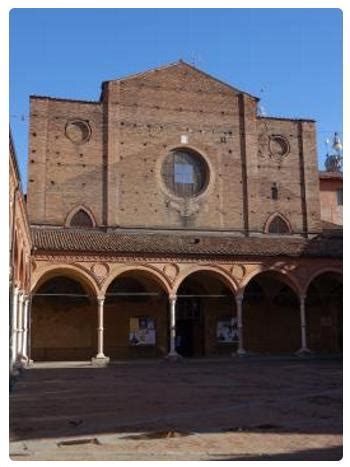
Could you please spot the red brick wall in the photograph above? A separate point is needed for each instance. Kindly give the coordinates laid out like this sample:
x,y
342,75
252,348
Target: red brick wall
x,y
140,119
62,174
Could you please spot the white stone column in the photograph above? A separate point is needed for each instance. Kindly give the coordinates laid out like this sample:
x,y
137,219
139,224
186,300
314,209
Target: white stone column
x,y
304,348
100,358
239,300
24,352
20,310
14,325
173,355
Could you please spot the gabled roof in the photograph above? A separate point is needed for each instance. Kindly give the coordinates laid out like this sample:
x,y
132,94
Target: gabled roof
x,y
182,63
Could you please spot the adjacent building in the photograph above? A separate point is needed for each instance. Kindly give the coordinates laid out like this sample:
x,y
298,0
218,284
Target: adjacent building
x,y
19,266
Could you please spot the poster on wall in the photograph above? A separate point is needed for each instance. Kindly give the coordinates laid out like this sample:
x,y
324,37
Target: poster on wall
x,y
227,331
142,331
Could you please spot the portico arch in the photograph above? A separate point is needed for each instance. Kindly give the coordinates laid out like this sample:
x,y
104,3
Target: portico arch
x,y
153,273
206,322
324,311
63,316
284,276
336,272
136,314
271,313
66,270
221,274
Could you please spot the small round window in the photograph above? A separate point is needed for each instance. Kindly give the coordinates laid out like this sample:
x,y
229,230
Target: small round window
x,y
278,146
185,173
78,131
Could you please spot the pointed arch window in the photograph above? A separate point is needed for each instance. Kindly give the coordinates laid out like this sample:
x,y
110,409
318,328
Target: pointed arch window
x,y
278,225
81,219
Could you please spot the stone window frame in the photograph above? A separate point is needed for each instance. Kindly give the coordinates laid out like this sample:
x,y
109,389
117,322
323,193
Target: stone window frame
x,y
79,121
271,218
74,211
210,175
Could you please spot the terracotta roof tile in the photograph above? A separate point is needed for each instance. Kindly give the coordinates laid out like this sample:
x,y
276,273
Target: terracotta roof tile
x,y
73,240
331,226
324,174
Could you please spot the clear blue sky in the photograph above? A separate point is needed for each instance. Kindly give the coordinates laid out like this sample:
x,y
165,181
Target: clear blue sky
x,y
294,55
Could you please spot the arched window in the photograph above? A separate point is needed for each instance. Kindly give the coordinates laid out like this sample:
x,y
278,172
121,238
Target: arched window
x,y
278,226
81,219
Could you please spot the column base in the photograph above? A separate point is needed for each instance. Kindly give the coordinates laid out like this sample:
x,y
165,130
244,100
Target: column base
x,y
14,371
240,352
303,352
18,365
100,360
173,357
24,361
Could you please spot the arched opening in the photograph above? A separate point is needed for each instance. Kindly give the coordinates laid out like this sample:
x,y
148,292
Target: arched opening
x,y
271,315
64,320
136,317
206,322
81,219
324,313
278,225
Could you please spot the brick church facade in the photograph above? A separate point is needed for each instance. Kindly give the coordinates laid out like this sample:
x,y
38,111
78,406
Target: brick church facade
x,y
170,218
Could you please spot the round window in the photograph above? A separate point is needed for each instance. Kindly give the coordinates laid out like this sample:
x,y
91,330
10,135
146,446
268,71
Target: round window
x,y
78,131
278,146
185,173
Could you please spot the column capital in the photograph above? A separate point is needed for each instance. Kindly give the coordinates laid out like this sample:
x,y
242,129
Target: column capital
x,y
101,299
172,297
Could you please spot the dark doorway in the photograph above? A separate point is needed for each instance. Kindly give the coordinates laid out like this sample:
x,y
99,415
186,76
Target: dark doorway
x,y
189,327
324,313
205,304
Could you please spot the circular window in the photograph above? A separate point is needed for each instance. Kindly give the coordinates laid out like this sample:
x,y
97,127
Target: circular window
x,y
185,173
278,146
78,131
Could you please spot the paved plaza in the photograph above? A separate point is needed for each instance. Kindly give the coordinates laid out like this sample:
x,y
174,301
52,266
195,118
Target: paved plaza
x,y
252,408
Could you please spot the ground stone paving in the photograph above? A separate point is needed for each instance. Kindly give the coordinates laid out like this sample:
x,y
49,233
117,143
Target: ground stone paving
x,y
241,408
